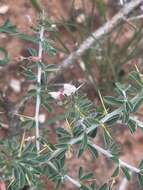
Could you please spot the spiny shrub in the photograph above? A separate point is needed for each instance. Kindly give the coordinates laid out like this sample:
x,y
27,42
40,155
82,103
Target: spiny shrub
x,y
25,158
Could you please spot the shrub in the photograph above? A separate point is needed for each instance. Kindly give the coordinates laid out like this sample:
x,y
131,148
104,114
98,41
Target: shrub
x,y
25,158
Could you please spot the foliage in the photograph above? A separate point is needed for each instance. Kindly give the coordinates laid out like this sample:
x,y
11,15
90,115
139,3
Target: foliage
x,y
21,161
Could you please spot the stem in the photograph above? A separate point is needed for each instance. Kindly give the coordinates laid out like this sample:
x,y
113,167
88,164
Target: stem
x,y
73,181
66,177
101,150
135,18
109,155
38,98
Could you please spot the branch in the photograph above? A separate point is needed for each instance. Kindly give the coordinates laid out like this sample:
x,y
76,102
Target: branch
x,y
109,155
66,177
96,35
73,181
101,150
38,98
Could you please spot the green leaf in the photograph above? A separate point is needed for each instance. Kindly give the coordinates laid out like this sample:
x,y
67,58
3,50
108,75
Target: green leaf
x,y
132,125
19,176
137,104
140,178
22,177
86,177
120,87
141,165
126,172
93,133
50,68
104,187
62,132
113,119
32,52
116,172
49,48
134,75
36,5
107,139
125,117
113,101
93,186
8,27
83,145
5,56
80,172
32,92
26,37
128,106
115,159
47,106
57,184
101,7
115,149
92,150
30,75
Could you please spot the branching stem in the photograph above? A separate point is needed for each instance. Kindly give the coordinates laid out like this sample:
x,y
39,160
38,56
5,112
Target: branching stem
x,y
38,97
109,155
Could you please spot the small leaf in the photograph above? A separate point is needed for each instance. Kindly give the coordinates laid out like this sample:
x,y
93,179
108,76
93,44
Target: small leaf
x,y
32,52
57,184
126,172
113,119
116,172
93,186
36,5
107,138
87,176
132,126
104,187
115,149
8,27
32,92
101,7
140,178
134,75
120,87
128,106
93,133
80,172
47,106
137,104
49,48
5,58
83,145
115,159
125,117
93,150
141,165
113,101
83,187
